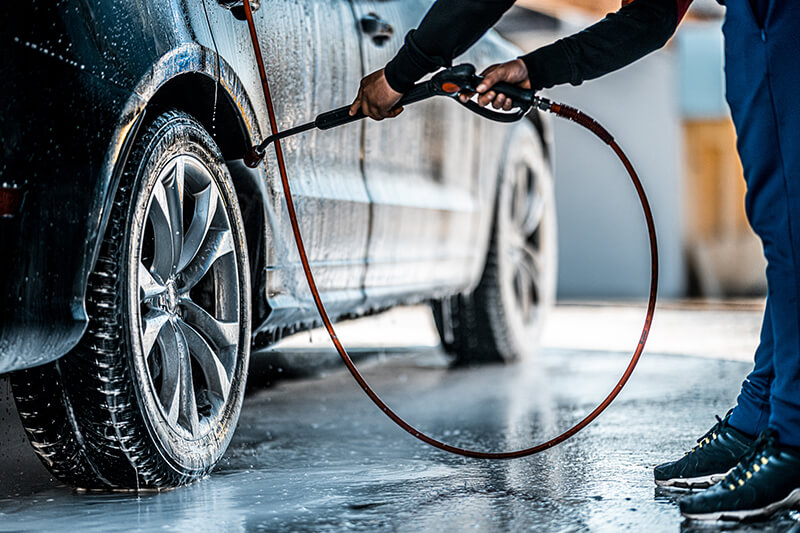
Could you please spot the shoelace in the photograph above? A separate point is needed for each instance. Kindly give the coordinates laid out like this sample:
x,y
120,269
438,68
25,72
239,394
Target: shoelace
x,y
711,434
754,459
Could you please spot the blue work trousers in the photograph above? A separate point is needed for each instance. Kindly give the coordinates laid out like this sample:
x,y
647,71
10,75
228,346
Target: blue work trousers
x,y
762,68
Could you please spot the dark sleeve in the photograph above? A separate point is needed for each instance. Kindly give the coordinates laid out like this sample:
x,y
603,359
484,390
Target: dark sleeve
x,y
621,38
448,29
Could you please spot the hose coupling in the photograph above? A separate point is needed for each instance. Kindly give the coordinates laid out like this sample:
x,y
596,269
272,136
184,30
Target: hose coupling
x,y
254,157
539,102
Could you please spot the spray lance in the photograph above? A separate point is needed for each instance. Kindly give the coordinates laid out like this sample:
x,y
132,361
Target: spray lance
x,y
450,83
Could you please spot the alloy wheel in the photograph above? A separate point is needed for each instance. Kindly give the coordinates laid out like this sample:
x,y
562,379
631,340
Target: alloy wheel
x,y
188,297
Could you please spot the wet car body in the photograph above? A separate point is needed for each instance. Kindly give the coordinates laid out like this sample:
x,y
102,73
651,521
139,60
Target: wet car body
x,y
392,212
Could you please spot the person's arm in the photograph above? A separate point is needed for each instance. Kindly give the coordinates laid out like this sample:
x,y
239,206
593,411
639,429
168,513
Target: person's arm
x,y
638,28
621,38
449,28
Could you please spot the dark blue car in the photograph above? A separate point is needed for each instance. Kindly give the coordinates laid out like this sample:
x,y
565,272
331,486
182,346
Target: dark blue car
x,y
141,260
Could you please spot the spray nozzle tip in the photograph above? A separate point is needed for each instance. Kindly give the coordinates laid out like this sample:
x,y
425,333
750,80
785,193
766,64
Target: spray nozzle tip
x,y
253,157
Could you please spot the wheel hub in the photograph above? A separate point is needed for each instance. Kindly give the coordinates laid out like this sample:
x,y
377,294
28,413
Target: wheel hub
x,y
171,297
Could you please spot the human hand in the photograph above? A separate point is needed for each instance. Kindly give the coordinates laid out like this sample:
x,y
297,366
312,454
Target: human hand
x,y
376,98
514,72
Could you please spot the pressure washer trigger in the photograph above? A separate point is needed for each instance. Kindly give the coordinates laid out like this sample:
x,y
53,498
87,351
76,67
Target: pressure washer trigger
x,y
497,116
462,78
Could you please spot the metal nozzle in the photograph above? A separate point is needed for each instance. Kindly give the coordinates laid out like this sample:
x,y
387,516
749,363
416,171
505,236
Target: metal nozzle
x,y
254,157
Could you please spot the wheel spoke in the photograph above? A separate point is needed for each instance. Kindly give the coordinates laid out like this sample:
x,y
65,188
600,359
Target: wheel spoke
x,y
534,214
162,232
173,185
169,394
530,263
521,197
213,369
188,417
524,293
205,207
222,334
149,286
152,325
218,243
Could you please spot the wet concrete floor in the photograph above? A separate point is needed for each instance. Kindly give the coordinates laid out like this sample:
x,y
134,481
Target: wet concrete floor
x,y
314,454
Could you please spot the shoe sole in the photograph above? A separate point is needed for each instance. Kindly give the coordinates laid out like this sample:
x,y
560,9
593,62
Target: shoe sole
x,y
738,516
700,482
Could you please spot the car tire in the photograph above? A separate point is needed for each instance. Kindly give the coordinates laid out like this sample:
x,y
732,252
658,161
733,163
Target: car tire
x,y
151,395
501,320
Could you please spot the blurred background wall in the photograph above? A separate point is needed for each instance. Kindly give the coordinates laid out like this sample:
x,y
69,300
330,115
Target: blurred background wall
x,y
668,113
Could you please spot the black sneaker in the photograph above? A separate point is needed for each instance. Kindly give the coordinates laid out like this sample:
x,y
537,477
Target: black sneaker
x,y
767,480
716,453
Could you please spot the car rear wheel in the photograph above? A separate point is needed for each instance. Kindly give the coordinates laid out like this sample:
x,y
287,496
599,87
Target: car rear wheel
x,y
501,320
151,395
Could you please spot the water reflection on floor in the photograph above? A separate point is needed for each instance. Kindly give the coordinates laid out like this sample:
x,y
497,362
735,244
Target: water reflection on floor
x,y
315,455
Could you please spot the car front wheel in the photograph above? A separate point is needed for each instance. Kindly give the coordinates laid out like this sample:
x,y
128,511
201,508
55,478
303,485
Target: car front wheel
x,y
151,395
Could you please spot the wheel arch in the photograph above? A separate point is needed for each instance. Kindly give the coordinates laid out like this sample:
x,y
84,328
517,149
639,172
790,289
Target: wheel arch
x,y
189,77
197,81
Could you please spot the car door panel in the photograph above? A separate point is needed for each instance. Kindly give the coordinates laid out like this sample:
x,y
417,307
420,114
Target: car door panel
x,y
312,57
423,197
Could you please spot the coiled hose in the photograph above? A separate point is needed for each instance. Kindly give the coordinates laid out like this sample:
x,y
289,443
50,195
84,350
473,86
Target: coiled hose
x,y
560,110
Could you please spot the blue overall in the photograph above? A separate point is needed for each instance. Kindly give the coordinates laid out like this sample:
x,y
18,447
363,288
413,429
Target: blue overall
x,y
762,67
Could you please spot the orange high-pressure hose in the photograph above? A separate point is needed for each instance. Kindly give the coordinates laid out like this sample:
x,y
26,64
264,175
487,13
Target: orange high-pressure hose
x,y
558,109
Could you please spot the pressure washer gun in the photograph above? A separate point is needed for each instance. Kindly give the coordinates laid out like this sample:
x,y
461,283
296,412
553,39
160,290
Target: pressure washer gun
x,y
448,82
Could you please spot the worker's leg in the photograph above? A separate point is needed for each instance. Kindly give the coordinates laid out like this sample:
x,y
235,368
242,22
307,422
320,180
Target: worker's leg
x,y
773,198
751,414
763,76
782,45
767,203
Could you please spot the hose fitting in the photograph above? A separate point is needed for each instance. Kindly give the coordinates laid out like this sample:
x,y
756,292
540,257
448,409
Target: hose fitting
x,y
254,157
541,103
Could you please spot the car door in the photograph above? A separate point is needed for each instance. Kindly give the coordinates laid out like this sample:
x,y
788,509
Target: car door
x,y
313,63
418,169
